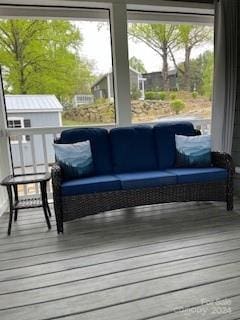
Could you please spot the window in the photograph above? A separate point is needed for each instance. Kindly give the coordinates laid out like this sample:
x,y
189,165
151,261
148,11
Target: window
x,y
69,70
27,124
14,123
171,68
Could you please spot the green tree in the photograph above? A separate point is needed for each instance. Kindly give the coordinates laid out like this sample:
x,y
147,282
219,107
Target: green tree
x,y
196,75
189,37
160,38
42,56
137,64
201,74
208,65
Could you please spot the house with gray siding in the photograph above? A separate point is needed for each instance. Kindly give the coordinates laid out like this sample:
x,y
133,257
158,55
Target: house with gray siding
x,y
32,111
103,87
154,80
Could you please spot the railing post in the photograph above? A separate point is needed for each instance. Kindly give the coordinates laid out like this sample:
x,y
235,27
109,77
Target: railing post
x,y
5,162
120,63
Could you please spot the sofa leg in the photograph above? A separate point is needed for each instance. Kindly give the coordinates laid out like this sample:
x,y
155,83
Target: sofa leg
x,y
230,201
59,230
59,224
59,219
229,195
59,227
230,205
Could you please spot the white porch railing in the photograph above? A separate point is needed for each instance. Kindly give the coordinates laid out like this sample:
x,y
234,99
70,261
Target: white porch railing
x,y
83,99
37,154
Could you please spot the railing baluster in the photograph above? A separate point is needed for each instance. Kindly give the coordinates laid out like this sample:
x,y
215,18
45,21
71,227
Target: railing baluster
x,y
45,151
45,156
19,137
34,160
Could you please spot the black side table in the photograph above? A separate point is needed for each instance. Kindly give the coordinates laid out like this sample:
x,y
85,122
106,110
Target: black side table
x,y
15,204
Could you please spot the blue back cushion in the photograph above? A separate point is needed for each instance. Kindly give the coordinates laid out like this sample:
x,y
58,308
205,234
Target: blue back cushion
x,y
133,149
100,146
165,141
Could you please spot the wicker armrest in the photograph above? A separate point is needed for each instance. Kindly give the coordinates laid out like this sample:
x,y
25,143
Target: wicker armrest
x,y
223,160
57,195
56,173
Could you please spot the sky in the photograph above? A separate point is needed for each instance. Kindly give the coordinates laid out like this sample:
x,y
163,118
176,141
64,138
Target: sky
x,y
97,48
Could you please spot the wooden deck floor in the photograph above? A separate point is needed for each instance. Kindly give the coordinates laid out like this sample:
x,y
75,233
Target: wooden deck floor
x,y
160,262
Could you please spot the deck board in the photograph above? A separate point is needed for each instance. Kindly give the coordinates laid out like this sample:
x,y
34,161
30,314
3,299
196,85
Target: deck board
x,y
141,263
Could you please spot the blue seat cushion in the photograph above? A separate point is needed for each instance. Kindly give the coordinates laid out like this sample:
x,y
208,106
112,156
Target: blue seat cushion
x,y
100,146
90,185
133,149
146,179
165,141
191,175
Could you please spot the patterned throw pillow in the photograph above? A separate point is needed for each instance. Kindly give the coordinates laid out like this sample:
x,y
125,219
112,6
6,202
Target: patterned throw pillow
x,y
194,151
75,159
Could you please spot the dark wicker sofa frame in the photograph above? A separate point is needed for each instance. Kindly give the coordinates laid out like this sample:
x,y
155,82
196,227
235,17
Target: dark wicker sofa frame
x,y
69,208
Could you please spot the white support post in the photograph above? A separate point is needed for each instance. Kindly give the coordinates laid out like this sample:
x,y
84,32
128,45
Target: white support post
x,y
120,63
5,164
143,89
109,87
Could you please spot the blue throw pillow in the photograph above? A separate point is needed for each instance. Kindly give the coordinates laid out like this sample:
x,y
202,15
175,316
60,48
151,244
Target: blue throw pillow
x,y
193,151
75,159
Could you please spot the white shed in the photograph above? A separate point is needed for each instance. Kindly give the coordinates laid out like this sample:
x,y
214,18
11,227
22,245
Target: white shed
x,y
32,111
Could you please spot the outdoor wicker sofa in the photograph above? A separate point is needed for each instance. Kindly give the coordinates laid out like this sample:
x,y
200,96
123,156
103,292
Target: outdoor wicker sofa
x,y
136,166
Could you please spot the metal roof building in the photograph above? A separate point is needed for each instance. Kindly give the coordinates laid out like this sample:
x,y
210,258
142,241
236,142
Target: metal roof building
x,y
36,111
32,103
